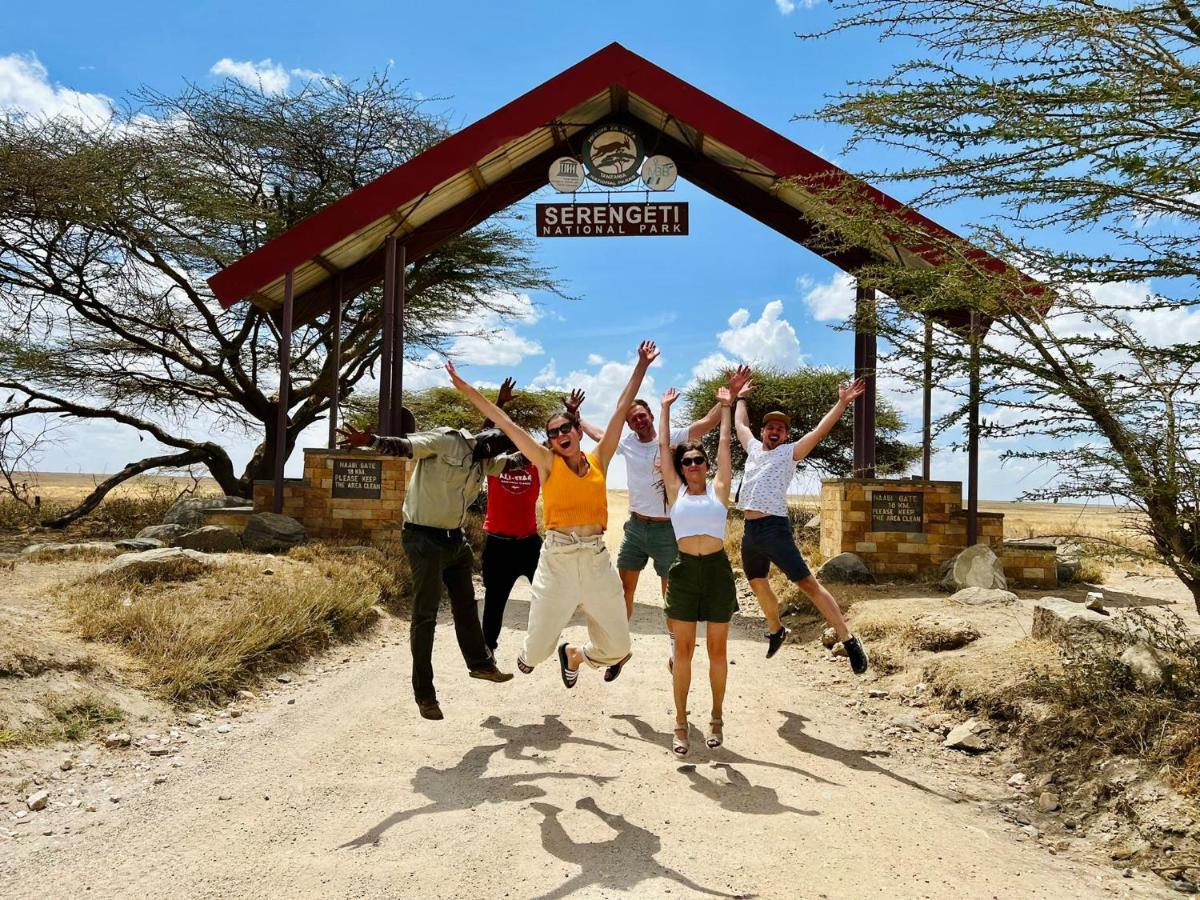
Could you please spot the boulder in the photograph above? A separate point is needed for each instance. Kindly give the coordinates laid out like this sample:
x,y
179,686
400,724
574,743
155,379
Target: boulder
x,y
62,551
846,568
976,566
137,545
1148,664
968,736
187,511
978,596
210,539
1067,623
272,533
161,564
165,533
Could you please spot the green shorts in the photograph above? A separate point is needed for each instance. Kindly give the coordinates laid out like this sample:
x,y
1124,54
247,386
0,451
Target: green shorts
x,y
701,589
644,541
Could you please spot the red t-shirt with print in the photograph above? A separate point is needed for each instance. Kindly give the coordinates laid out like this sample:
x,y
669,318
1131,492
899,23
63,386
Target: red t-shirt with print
x,y
512,502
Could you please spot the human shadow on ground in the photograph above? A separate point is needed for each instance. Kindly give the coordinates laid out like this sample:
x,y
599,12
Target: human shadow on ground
x,y
647,734
792,731
465,786
739,795
615,866
550,735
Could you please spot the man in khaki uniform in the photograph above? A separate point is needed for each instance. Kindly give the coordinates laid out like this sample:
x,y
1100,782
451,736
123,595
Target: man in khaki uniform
x,y
449,472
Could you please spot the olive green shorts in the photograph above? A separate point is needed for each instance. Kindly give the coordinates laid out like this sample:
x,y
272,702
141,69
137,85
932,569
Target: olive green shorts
x,y
701,589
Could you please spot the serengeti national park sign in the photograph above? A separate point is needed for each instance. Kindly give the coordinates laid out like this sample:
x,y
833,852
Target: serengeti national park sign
x,y
611,219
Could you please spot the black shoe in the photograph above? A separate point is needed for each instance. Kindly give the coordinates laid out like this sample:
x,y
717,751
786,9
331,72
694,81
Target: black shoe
x,y
492,674
775,640
429,709
859,661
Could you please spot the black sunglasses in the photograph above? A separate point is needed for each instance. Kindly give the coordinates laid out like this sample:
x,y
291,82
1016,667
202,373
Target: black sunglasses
x,y
565,428
694,461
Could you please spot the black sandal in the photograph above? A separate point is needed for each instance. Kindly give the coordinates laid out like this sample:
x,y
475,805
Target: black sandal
x,y
568,677
613,671
525,669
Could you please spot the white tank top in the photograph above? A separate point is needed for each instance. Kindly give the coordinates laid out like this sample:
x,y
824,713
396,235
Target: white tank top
x,y
694,514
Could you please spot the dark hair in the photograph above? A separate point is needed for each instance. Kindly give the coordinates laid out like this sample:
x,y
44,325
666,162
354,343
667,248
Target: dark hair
x,y
681,450
574,420
639,402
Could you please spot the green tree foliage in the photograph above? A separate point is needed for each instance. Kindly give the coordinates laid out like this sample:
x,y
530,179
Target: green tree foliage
x,y
444,406
1074,121
108,232
806,395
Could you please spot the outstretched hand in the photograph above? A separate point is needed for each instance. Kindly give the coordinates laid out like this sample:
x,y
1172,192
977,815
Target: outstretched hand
x,y
670,396
352,437
573,402
746,388
740,376
647,353
848,392
457,380
505,394
724,396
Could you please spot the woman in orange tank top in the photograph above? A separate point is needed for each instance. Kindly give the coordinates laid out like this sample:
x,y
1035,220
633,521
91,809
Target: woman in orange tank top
x,y
574,570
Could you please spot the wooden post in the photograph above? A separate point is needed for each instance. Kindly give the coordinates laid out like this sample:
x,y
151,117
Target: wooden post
x,y
864,367
397,374
927,404
384,420
973,435
285,377
335,358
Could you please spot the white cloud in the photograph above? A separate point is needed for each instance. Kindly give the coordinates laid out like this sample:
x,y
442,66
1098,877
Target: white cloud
x,y
489,339
270,77
769,341
595,359
787,7
713,364
25,88
832,301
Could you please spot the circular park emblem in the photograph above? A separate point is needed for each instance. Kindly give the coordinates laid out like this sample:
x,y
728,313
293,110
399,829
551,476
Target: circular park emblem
x,y
566,175
659,173
612,155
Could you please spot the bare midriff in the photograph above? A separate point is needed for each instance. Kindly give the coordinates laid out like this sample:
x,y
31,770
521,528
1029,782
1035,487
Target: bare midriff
x,y
754,514
700,544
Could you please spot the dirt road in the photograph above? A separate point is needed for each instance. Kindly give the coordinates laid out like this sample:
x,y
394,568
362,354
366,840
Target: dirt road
x,y
331,786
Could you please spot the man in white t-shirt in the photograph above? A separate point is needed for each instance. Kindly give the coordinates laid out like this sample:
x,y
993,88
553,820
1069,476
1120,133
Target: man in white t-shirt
x,y
770,467
648,532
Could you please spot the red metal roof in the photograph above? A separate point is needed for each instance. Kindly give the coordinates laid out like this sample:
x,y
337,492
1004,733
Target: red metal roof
x,y
504,157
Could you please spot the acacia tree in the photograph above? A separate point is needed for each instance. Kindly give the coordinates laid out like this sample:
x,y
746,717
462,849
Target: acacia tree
x,y
806,394
1076,121
109,230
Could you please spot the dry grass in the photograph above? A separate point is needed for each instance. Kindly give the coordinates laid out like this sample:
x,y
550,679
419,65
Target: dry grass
x,y
993,681
72,719
928,631
203,638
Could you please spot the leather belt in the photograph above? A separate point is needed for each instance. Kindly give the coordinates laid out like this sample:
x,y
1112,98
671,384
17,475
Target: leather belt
x,y
510,537
651,519
449,534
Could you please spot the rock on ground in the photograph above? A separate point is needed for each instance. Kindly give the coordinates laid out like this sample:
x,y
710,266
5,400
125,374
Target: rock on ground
x,y
57,550
1147,664
272,533
846,568
1066,623
187,511
210,539
977,596
164,563
165,533
976,566
139,544
968,736
938,632
38,800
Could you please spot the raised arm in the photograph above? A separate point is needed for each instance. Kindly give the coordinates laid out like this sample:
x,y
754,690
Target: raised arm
x,y
724,477
503,398
647,353
712,418
535,452
846,395
572,405
741,416
670,477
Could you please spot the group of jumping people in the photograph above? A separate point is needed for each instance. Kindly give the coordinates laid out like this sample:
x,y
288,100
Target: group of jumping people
x,y
678,510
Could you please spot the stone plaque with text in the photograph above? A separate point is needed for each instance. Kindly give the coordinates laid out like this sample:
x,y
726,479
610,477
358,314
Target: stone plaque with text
x,y
357,479
897,511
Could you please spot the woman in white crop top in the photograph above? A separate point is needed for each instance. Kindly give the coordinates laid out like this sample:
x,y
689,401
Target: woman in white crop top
x,y
700,584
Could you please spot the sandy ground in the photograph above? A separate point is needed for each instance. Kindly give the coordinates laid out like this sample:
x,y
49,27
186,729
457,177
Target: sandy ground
x,y
332,786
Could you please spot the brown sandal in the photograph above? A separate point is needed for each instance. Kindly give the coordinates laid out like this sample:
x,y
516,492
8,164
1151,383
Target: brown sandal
x,y
715,736
681,746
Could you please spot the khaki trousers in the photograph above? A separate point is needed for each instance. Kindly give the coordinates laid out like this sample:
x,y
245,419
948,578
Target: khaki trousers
x,y
576,573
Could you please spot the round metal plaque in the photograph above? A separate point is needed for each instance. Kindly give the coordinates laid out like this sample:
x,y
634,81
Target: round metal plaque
x,y
566,175
612,155
659,173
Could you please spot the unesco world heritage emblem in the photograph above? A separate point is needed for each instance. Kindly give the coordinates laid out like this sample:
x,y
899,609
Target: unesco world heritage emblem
x,y
566,175
613,155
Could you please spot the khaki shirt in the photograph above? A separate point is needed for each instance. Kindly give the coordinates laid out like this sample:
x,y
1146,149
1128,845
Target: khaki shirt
x,y
445,481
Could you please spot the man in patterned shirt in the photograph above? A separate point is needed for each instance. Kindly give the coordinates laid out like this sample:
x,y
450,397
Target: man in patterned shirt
x,y
770,467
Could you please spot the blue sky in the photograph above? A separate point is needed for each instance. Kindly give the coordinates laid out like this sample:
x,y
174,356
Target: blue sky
x,y
733,287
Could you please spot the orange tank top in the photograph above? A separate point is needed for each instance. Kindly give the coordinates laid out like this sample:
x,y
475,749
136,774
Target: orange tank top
x,y
569,500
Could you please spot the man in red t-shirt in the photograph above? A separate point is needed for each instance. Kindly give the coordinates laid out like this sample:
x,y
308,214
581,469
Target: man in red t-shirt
x,y
512,546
